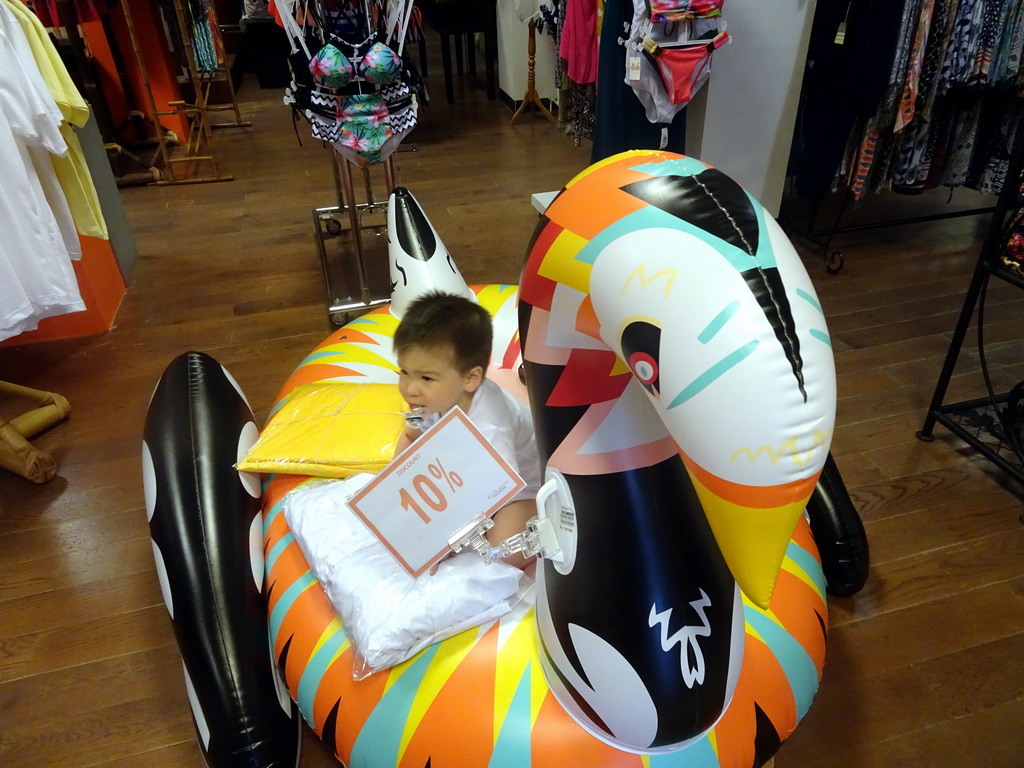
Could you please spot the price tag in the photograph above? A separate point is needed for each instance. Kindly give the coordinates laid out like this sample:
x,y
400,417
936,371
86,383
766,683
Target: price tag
x,y
438,485
840,34
634,68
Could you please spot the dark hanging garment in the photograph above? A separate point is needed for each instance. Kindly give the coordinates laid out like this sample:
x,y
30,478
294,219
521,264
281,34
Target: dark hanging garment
x,y
849,61
621,124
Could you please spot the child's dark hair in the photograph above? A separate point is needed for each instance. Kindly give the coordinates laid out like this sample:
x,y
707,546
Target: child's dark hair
x,y
444,319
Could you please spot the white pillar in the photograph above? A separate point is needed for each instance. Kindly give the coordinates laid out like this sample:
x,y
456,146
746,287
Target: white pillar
x,y
742,121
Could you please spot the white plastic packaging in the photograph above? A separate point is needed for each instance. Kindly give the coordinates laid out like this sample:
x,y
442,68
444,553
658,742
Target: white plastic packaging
x,y
388,615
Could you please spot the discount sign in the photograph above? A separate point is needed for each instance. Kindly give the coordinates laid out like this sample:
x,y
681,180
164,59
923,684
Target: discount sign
x,y
433,489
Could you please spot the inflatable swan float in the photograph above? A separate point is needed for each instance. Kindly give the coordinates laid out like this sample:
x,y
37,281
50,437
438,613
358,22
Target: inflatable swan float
x,y
682,384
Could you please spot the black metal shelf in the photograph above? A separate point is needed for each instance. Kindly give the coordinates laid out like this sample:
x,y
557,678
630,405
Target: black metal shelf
x,y
981,423
1008,275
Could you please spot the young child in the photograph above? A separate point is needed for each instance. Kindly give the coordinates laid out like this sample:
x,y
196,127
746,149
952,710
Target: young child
x,y
443,346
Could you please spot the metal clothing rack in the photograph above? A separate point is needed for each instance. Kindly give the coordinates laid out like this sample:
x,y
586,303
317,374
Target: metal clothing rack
x,y
360,276
982,422
834,260
327,224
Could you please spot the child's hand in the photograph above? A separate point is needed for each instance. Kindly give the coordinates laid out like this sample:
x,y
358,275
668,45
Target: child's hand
x,y
407,438
508,521
417,421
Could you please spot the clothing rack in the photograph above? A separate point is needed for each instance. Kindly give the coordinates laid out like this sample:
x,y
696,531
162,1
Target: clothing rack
x,y
531,97
317,93
834,260
915,96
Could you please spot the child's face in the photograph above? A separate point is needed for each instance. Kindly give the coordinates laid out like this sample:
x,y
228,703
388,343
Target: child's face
x,y
428,379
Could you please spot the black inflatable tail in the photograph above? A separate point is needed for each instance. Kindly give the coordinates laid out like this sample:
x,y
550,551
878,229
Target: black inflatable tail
x,y
204,517
839,533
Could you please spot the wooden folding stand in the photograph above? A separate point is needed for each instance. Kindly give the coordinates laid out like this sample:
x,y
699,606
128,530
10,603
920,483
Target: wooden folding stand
x,y
531,96
17,454
197,147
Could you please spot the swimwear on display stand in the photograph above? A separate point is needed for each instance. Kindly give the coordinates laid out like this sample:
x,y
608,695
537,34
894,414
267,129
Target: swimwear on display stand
x,y
681,380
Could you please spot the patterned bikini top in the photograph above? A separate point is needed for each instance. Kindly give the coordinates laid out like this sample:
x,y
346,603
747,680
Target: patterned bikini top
x,y
379,65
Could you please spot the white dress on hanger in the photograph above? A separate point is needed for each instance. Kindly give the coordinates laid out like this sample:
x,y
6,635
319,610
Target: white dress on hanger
x,y
36,276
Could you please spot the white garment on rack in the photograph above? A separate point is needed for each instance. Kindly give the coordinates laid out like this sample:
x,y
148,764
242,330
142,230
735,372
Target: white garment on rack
x,y
35,263
527,9
37,117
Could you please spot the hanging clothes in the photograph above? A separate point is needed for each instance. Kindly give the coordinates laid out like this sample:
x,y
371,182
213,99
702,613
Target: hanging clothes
x,y
916,152
908,96
36,277
621,123
669,46
349,80
203,34
578,45
873,161
576,101
842,85
71,169
908,102
85,10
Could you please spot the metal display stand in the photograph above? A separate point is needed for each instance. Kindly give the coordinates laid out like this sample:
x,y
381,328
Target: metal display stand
x,y
367,287
982,422
328,224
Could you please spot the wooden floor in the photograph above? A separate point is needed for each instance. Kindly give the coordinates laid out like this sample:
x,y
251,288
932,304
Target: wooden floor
x,y
925,667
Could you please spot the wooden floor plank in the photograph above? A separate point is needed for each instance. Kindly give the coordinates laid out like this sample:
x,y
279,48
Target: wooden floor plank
x,y
87,641
957,622
987,740
132,727
933,574
88,687
978,678
964,483
76,605
865,709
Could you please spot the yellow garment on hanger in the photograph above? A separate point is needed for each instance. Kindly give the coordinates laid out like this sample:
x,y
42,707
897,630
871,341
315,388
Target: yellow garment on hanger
x,y
72,170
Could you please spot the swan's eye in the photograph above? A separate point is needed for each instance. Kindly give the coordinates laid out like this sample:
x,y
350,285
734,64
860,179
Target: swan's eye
x,y
641,348
644,367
